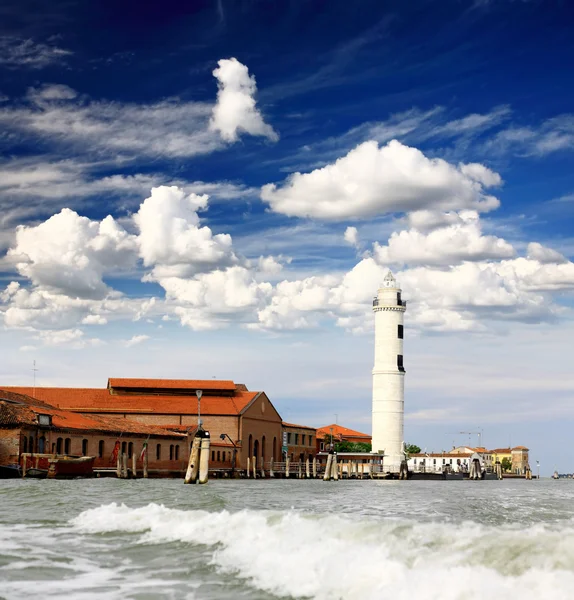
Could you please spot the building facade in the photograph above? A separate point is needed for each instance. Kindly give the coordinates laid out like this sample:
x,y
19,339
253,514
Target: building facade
x,y
300,441
242,423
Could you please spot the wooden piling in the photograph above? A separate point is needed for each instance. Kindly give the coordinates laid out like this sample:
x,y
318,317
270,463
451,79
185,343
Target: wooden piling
x,y
193,464
262,467
145,473
287,466
124,465
204,459
327,474
134,466
307,468
334,468
254,467
248,467
271,474
314,467
119,466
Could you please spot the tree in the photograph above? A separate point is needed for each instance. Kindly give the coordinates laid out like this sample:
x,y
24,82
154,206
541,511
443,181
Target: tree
x,y
506,464
412,449
345,446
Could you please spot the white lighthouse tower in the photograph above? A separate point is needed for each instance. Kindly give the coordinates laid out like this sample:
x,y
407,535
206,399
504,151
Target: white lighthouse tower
x,y
389,375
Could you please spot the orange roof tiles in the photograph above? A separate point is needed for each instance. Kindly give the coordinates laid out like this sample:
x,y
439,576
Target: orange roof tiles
x,y
520,448
172,384
501,451
340,431
27,409
90,400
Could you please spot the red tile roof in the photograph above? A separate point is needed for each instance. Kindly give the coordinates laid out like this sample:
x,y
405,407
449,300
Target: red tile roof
x,y
90,400
500,451
20,409
339,431
172,384
520,448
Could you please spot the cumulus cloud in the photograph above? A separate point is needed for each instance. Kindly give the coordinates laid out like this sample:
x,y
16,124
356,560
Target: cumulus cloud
x,y
135,340
235,110
544,255
372,180
351,236
444,246
69,254
171,239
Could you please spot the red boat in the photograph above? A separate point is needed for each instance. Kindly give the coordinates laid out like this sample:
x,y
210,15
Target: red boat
x,y
57,465
71,466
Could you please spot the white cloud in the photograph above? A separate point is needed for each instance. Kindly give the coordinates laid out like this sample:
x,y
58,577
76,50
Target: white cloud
x,y
171,239
351,236
372,181
136,339
94,320
69,254
235,110
16,53
544,254
445,246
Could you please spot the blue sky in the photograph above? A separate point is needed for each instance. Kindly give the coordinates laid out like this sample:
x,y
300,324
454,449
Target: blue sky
x,y
296,151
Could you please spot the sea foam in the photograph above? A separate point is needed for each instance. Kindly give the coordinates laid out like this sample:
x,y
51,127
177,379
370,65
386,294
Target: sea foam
x,y
288,553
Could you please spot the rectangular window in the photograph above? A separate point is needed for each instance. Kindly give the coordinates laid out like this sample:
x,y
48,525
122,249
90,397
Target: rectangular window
x,y
399,299
158,452
101,449
296,439
288,438
302,439
400,363
84,447
67,445
401,332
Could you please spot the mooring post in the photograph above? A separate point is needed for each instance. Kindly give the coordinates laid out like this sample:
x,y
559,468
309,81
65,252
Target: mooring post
x,y
327,473
204,457
254,467
193,464
124,465
119,466
248,467
262,467
271,474
287,466
134,466
145,473
314,467
334,468
307,468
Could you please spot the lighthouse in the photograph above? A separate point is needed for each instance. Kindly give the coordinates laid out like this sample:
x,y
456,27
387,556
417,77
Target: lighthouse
x,y
389,375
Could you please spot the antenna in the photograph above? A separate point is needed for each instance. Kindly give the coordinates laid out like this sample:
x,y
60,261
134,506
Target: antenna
x,y
34,371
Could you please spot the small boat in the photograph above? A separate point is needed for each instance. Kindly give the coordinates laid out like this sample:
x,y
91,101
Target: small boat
x,y
10,471
71,466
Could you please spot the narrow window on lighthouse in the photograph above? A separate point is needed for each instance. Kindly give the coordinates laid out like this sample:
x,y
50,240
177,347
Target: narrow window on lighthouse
x,y
399,300
401,332
400,362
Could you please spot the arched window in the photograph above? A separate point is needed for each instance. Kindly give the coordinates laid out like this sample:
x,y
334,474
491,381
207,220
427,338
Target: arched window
x,y
67,445
171,452
250,448
158,452
84,447
24,444
274,448
177,452
130,449
101,449
42,445
256,448
124,447
263,449
31,443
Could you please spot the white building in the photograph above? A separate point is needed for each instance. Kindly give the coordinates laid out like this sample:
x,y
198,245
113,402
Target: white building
x,y
389,375
445,461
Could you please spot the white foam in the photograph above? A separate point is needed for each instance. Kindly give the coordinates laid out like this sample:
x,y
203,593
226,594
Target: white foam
x,y
337,557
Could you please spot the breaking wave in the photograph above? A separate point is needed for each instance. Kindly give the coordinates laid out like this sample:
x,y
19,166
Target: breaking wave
x,y
339,557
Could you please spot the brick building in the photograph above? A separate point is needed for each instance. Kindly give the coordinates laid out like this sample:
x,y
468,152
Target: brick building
x,y
337,433
301,441
28,425
241,422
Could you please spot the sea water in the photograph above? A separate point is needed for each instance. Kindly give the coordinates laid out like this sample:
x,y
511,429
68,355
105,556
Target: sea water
x,y
352,540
